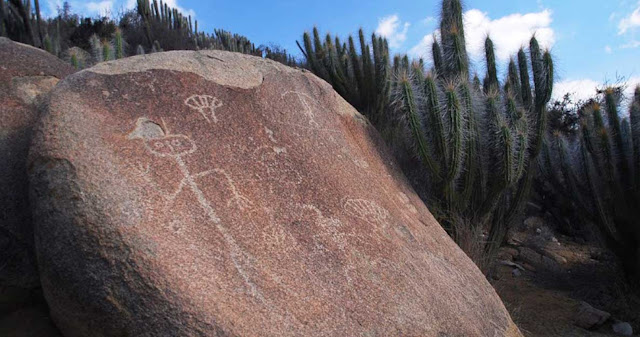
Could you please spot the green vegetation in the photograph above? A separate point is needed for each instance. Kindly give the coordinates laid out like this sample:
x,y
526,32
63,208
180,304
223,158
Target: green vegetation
x,y
151,27
596,171
466,174
361,76
471,145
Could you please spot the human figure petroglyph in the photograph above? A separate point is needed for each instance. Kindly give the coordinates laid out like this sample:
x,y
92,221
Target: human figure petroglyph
x,y
177,146
308,112
206,105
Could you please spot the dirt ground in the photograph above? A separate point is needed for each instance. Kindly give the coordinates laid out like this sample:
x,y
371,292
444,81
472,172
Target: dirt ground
x,y
557,274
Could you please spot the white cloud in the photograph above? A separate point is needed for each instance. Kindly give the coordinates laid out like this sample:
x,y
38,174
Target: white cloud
x,y
631,44
174,4
52,7
131,4
608,50
102,8
508,33
393,29
630,22
423,48
579,89
584,89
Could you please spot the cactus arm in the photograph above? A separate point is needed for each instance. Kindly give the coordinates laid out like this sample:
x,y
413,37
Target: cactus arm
x,y
453,40
411,114
453,111
491,81
435,118
118,44
512,86
472,178
436,53
525,84
618,145
543,80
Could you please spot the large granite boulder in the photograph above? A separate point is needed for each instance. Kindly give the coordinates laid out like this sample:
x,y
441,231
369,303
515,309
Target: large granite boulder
x,y
27,74
218,194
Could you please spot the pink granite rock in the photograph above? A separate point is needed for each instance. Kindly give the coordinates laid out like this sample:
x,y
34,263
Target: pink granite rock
x,y
27,74
218,194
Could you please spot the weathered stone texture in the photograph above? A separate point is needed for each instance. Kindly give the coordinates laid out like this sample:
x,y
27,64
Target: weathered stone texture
x,y
27,74
213,193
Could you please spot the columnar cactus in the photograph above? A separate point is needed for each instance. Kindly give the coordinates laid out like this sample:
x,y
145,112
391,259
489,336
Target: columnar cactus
x,y
118,44
107,51
96,49
473,174
361,75
476,142
599,172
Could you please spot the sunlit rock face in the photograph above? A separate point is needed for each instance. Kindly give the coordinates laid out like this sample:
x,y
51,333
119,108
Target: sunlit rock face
x,y
219,194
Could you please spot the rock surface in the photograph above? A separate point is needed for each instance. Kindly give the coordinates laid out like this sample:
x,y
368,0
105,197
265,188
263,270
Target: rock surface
x,y
214,194
622,328
26,75
588,317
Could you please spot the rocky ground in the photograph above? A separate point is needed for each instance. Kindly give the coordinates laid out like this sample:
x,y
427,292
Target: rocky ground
x,y
554,285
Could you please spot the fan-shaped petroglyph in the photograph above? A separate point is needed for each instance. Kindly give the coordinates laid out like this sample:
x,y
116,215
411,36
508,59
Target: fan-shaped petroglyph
x,y
276,236
175,147
206,105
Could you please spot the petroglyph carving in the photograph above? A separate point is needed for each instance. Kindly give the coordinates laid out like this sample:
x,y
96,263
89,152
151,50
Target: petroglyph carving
x,y
331,227
308,112
237,199
358,162
404,199
270,134
275,235
361,163
206,105
366,210
177,146
277,165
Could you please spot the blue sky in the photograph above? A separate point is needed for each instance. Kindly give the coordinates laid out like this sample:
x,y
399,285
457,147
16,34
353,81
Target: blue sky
x,y
592,41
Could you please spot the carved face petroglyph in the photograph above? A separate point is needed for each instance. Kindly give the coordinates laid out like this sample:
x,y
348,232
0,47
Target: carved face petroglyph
x,y
171,146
